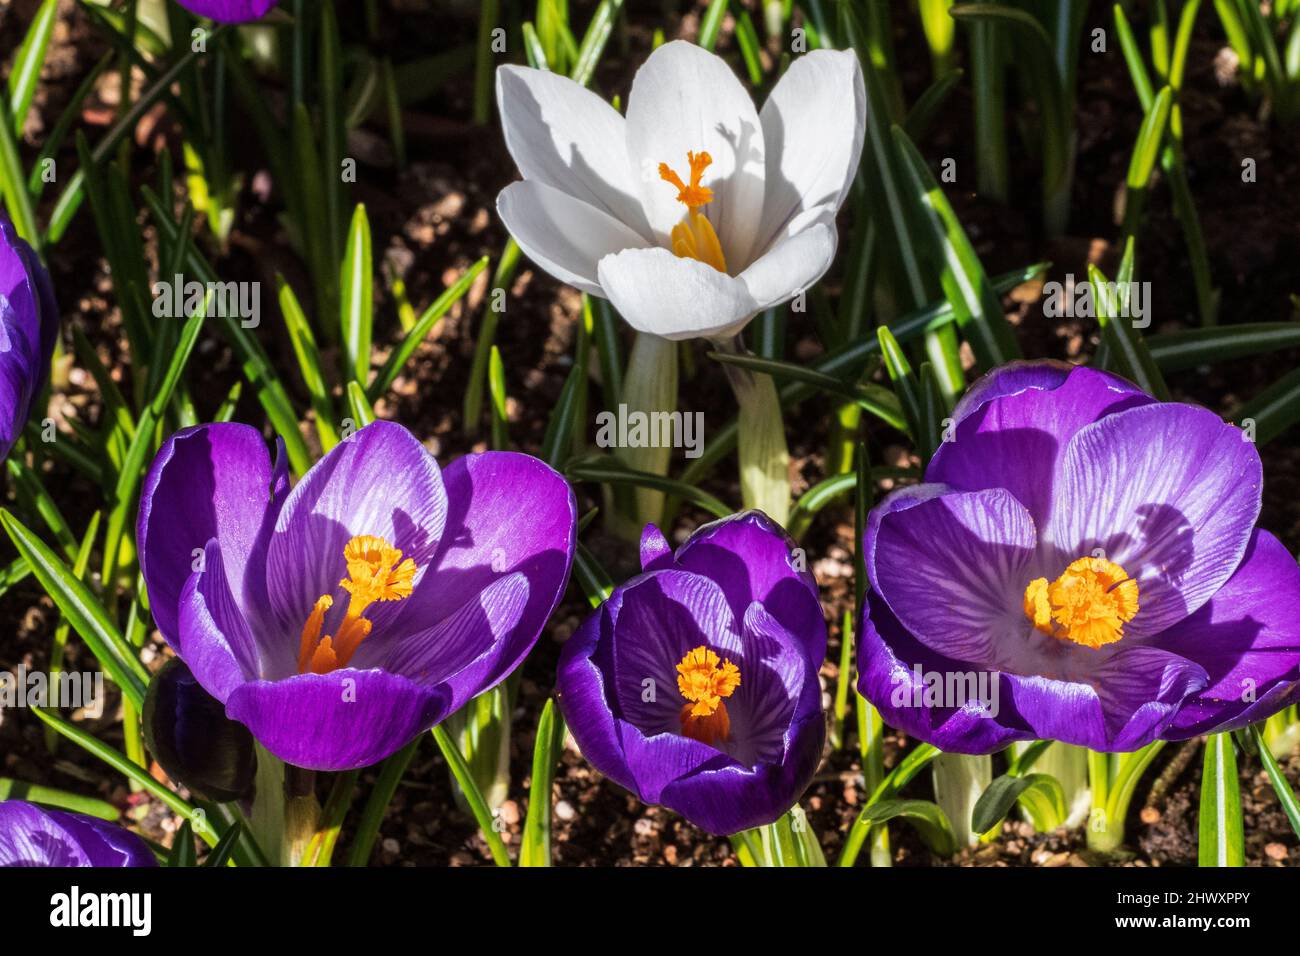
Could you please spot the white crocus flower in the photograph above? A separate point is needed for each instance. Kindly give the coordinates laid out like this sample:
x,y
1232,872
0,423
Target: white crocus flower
x,y
695,212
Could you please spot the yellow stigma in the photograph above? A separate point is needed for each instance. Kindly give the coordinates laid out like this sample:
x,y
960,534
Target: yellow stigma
x,y
694,195
694,237
376,572
1089,603
704,679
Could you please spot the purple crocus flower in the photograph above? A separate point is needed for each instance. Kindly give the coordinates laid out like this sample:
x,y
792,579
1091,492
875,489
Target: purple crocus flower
x,y
229,11
1091,553
695,685
339,620
29,325
33,836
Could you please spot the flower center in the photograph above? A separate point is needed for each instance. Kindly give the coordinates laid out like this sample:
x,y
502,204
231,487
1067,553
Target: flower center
x,y
694,237
1088,604
704,679
376,572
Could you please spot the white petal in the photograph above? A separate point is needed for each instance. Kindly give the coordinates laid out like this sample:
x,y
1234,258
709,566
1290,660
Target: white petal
x,y
565,136
813,124
686,99
675,297
791,266
563,235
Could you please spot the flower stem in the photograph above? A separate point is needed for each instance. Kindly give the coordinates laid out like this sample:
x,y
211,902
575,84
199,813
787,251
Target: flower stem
x,y
764,456
1114,778
285,813
650,386
959,779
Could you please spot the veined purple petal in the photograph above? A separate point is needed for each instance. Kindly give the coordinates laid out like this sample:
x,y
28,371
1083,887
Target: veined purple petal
x,y
753,559
1248,638
229,11
337,721
953,566
1013,425
214,638
893,669
507,548
378,481
1168,492
209,481
1126,701
33,836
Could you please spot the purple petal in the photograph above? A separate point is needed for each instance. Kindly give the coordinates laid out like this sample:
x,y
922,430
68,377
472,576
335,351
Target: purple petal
x,y
214,638
378,481
656,552
1014,424
776,681
28,327
1248,638
209,481
1168,492
229,11
1125,702
337,721
753,559
888,659
953,568
508,515
33,836
662,616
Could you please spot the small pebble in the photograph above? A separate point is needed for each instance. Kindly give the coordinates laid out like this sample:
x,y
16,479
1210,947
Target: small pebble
x,y
564,811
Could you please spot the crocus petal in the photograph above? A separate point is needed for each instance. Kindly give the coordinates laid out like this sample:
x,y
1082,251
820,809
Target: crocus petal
x,y
565,236
24,332
563,135
229,11
729,798
1248,638
209,481
337,721
378,481
791,266
953,566
892,671
655,549
663,616
214,638
775,681
685,99
485,542
675,297
34,836
753,559
1168,492
1013,426
813,126
1127,700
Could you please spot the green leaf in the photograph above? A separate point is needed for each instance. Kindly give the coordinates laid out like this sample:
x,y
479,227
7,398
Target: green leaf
x,y
535,847
594,580
1189,348
928,818
420,330
303,341
182,853
11,789
1273,410
905,386
608,470
372,816
711,24
877,400
497,392
1002,794
976,307
1281,786
359,407
594,40
473,796
26,68
221,853
82,609
13,184
1126,347
355,280
1220,841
